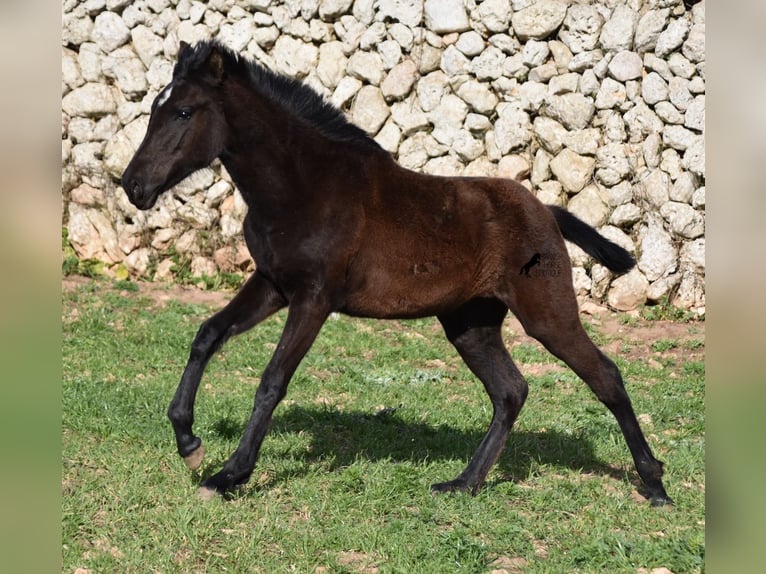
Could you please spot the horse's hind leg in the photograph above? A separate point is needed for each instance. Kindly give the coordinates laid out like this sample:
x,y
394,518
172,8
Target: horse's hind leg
x,y
255,301
475,331
548,311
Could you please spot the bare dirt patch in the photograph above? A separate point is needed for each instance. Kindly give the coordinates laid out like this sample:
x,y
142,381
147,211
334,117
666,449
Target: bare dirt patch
x,y
629,336
161,293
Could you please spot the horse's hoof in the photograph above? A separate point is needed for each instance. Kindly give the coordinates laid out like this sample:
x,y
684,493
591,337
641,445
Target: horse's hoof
x,y
456,485
662,501
206,494
194,460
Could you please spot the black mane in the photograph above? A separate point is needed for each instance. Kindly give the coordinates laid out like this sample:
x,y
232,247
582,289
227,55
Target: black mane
x,y
296,97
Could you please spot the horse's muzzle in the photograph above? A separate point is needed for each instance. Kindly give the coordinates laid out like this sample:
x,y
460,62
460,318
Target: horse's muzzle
x,y
138,194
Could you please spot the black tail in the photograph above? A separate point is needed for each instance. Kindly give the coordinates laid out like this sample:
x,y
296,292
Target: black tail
x,y
591,241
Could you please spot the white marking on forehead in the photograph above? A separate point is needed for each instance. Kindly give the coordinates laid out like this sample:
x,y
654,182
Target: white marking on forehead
x,y
164,95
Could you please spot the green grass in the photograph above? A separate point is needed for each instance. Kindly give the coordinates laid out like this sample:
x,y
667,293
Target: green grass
x,y
375,414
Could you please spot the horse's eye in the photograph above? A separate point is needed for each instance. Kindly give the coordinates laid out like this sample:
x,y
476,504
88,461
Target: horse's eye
x,y
183,114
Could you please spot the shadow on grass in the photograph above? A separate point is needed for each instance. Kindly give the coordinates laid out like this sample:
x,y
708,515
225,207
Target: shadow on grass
x,y
340,438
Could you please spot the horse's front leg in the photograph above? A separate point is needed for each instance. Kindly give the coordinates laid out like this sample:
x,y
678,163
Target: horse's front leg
x,y
255,301
304,320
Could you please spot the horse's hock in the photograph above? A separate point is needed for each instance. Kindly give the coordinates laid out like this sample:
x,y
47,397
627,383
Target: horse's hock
x,y
596,107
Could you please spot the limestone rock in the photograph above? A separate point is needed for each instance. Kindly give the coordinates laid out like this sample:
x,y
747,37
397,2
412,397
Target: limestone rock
x,y
367,66
539,20
691,292
641,122
654,89
582,26
237,35
625,215
399,80
478,96
466,146
120,149
445,16
92,235
590,206
649,28
580,281
694,156
512,128
408,117
550,193
612,164
694,46
137,262
332,64
203,267
389,137
513,167
369,110
124,66
470,44
611,94
89,100
331,9
695,114
618,31
625,65
660,288
76,28
294,57
550,133
408,12
654,188
109,31
489,64
574,111
618,236
659,257
683,219
431,89
628,291
146,43
346,89
672,37
495,15
572,170
88,195
693,256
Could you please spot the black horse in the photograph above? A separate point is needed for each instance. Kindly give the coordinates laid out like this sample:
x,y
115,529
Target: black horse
x,y
334,224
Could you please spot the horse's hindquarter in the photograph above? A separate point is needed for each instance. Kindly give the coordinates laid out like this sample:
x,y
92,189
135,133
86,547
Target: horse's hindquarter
x,y
429,244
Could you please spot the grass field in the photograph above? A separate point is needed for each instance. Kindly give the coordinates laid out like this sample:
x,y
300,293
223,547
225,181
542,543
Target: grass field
x,y
375,414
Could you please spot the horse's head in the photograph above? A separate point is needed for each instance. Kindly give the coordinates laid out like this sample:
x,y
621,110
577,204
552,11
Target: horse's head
x,y
186,127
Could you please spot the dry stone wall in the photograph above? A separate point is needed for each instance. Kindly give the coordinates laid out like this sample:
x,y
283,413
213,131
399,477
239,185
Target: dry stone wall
x,y
598,106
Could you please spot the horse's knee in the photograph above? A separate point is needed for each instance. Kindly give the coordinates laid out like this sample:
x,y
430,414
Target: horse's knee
x,y
508,405
608,386
209,338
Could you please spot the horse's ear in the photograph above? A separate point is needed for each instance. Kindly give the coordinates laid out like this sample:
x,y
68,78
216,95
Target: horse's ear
x,y
183,49
215,67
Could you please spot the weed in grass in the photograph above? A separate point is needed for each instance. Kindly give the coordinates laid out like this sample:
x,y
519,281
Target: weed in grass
x,y
694,344
125,285
662,345
663,310
629,320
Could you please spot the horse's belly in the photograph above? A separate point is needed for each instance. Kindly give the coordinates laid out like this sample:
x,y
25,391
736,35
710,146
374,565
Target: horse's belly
x,y
418,289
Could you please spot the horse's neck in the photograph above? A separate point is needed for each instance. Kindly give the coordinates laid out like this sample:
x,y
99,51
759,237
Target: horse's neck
x,y
258,158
